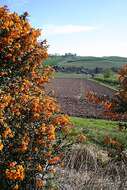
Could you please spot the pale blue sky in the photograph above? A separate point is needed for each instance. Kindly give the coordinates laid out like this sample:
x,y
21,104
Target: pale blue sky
x,y
85,27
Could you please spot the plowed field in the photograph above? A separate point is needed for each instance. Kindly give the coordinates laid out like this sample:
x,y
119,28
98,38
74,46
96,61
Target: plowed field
x,y
70,94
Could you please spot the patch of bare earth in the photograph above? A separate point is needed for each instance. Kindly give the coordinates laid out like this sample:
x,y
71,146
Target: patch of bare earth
x,y
71,95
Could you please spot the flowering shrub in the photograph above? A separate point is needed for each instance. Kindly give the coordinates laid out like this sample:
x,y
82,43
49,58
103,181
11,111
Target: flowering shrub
x,y
31,127
120,103
112,107
116,106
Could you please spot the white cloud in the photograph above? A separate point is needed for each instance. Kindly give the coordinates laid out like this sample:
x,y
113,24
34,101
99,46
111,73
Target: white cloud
x,y
66,29
90,47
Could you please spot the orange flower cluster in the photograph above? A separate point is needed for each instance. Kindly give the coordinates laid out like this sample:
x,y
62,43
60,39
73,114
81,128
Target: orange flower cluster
x,y
24,143
50,106
4,101
39,168
113,142
7,133
51,132
24,99
1,146
39,183
26,84
16,110
42,129
54,160
16,187
92,97
47,106
61,120
81,138
48,130
15,173
36,106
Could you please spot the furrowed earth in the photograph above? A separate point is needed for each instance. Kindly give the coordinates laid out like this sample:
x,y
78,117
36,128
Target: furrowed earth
x,y
71,95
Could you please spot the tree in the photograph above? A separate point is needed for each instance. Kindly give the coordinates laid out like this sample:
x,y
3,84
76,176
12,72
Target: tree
x,y
31,127
107,73
120,102
116,106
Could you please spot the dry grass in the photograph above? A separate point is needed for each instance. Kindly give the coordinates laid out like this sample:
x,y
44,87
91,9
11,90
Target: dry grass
x,y
88,168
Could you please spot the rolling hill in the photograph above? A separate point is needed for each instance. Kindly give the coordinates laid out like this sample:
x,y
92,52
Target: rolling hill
x,y
88,62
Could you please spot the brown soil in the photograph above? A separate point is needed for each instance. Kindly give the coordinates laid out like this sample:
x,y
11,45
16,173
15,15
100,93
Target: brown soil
x,y
70,93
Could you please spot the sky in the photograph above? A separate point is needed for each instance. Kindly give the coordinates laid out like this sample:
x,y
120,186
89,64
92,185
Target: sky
x,y
84,27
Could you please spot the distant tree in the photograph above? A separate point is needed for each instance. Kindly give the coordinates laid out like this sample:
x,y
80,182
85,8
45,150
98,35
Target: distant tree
x,y
70,55
107,73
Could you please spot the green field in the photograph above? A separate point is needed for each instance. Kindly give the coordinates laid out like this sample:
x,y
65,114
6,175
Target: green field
x,y
111,82
53,60
97,129
69,75
86,62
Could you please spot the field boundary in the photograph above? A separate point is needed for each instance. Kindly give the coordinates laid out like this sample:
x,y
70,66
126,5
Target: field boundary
x,y
105,85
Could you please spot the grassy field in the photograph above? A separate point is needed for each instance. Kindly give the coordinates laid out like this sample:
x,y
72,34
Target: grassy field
x,y
97,129
53,60
111,81
69,75
86,62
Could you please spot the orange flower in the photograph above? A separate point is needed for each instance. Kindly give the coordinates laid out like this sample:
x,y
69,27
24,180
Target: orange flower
x,y
39,183
8,132
16,187
61,120
52,170
24,98
54,160
24,143
48,154
81,138
42,128
51,137
39,168
1,146
15,173
62,165
16,111
34,149
36,116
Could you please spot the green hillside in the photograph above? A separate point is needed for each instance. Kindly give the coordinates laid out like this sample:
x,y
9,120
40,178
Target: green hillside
x,y
87,62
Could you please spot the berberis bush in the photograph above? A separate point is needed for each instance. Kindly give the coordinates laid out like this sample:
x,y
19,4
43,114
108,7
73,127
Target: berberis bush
x,y
31,127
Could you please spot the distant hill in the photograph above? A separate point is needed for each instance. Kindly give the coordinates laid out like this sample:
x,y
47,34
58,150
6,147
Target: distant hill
x,y
87,62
